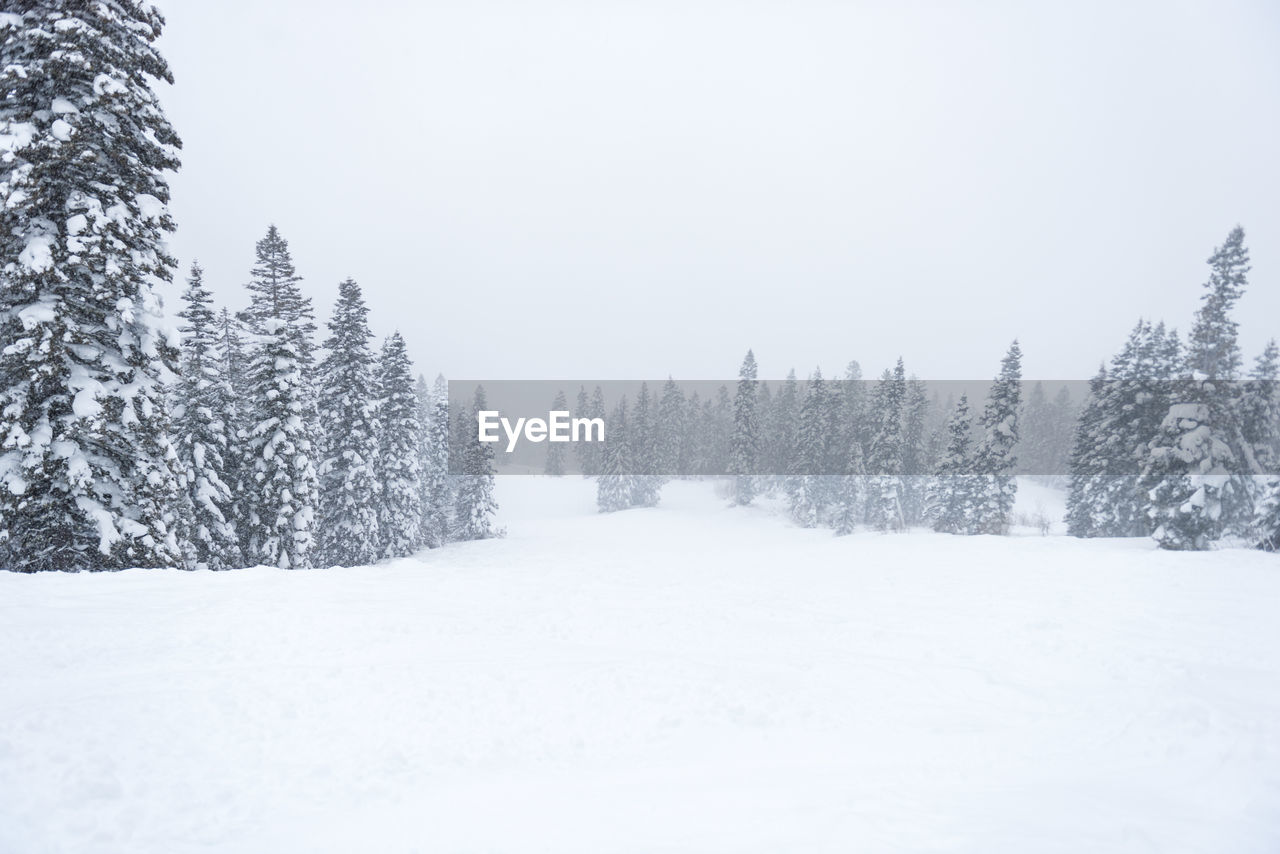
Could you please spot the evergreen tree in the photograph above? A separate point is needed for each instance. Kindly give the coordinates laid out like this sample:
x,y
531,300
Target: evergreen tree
x,y
350,492
88,474
400,510
646,485
590,454
202,433
236,464
615,485
848,498
1084,515
555,450
274,293
780,439
718,431
1201,442
916,463
475,505
1267,519
1186,474
994,460
437,483
884,489
745,450
953,492
281,457
672,454
1213,352
809,486
1260,410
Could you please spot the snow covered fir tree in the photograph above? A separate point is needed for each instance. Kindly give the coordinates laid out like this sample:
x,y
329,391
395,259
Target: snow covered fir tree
x,y
88,469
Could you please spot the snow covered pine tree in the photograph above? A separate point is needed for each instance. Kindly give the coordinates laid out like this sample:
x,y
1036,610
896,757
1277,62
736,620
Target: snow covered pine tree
x,y
952,492
203,434
400,512
87,470
745,449
555,450
350,493
474,504
994,461
615,483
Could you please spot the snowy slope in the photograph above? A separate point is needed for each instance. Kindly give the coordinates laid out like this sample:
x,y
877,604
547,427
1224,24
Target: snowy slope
x,y
691,678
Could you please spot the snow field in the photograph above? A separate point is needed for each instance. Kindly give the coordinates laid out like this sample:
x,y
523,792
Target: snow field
x,y
687,678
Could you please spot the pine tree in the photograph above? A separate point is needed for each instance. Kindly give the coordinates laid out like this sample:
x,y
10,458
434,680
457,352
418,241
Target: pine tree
x,y
437,484
1196,470
916,463
952,493
849,488
884,488
646,486
274,293
1186,474
780,439
400,510
745,450
236,463
1266,521
809,486
474,504
350,491
718,431
670,432
590,454
555,450
1260,410
994,460
281,456
1084,515
203,435
88,474
615,485
1213,352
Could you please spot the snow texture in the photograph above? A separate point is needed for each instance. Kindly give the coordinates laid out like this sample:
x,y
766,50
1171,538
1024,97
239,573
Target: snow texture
x,y
686,678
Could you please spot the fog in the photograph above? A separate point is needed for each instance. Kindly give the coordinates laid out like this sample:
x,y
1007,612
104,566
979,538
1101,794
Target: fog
x,y
547,190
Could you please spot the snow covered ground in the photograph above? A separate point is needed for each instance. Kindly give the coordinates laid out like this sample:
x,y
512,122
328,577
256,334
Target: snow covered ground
x,y
691,678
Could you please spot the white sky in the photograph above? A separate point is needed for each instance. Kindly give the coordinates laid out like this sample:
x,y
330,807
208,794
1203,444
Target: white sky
x,y
599,189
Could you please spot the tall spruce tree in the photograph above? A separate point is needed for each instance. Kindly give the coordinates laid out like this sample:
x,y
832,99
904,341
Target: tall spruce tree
x,y
236,464
350,492
995,460
88,474
437,483
203,433
555,465
670,431
745,449
274,293
884,462
646,486
780,441
809,485
1201,444
281,461
474,503
400,508
616,483
916,463
952,492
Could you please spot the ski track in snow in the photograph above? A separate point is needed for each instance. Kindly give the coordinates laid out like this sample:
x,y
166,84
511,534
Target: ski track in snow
x,y
689,678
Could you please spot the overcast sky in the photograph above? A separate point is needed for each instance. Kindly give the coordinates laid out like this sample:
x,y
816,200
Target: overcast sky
x,y
595,189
